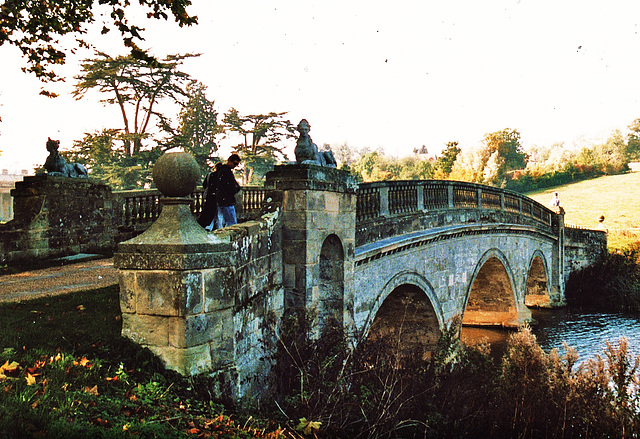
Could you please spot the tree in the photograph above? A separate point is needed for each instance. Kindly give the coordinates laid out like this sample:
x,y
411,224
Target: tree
x,y
198,126
345,155
376,166
469,165
37,27
104,156
368,167
261,140
493,172
633,141
502,148
444,163
136,88
507,144
415,168
612,155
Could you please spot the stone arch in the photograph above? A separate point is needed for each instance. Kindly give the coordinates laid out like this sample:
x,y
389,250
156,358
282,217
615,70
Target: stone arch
x,y
537,288
491,300
405,317
331,285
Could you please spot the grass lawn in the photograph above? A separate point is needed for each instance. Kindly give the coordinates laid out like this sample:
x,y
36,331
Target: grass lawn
x,y
617,197
66,372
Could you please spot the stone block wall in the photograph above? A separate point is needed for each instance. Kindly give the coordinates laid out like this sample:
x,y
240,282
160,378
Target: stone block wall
x,y
210,306
57,216
319,219
582,247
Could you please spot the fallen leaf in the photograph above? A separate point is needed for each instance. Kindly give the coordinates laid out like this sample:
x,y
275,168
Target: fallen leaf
x,y
83,362
31,380
308,427
92,390
9,367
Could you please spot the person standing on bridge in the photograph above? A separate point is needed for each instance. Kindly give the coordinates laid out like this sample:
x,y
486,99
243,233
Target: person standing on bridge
x,y
226,189
209,214
555,200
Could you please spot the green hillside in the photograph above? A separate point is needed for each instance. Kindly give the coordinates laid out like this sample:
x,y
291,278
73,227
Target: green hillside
x,y
617,197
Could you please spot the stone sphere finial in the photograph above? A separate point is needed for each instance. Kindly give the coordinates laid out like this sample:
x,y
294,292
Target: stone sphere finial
x,y
176,174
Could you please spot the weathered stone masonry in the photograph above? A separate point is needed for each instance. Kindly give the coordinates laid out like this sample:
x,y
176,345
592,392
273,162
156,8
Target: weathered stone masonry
x,y
57,216
206,302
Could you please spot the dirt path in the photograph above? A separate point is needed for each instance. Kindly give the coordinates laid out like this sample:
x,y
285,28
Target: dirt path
x,y
53,281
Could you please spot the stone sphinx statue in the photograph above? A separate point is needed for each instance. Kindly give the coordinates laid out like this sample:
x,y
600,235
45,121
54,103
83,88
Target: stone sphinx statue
x,y
307,152
58,166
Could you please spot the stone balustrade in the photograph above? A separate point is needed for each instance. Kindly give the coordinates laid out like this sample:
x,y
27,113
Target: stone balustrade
x,y
390,208
385,198
136,210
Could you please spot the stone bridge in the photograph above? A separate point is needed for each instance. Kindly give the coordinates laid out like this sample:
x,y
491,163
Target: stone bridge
x,y
366,259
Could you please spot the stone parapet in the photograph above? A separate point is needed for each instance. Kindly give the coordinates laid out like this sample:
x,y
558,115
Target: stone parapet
x,y
205,302
310,177
57,216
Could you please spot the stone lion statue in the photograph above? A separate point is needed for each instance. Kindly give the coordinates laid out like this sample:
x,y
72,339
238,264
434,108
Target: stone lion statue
x,y
57,165
307,152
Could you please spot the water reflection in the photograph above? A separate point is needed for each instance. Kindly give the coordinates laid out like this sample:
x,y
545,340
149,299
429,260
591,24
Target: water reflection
x,y
586,332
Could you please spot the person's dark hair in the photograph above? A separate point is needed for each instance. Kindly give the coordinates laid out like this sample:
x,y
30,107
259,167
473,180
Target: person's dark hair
x,y
234,158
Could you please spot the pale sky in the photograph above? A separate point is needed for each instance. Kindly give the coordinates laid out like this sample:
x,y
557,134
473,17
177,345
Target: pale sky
x,y
391,74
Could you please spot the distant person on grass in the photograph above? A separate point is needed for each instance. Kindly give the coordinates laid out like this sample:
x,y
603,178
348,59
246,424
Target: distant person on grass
x,y
226,189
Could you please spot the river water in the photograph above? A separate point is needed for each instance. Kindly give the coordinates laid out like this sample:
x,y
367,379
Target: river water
x,y
587,332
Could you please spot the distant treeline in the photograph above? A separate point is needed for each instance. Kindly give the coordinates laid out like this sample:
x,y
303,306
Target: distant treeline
x,y
500,161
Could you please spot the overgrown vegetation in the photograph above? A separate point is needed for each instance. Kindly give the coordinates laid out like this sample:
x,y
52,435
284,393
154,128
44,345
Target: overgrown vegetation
x,y
66,372
380,392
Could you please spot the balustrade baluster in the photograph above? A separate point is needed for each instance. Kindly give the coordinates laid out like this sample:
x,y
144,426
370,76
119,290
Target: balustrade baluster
x,y
154,207
134,211
147,208
127,211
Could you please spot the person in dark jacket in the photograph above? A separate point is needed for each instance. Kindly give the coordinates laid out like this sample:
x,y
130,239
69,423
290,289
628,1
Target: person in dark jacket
x,y
209,213
226,189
